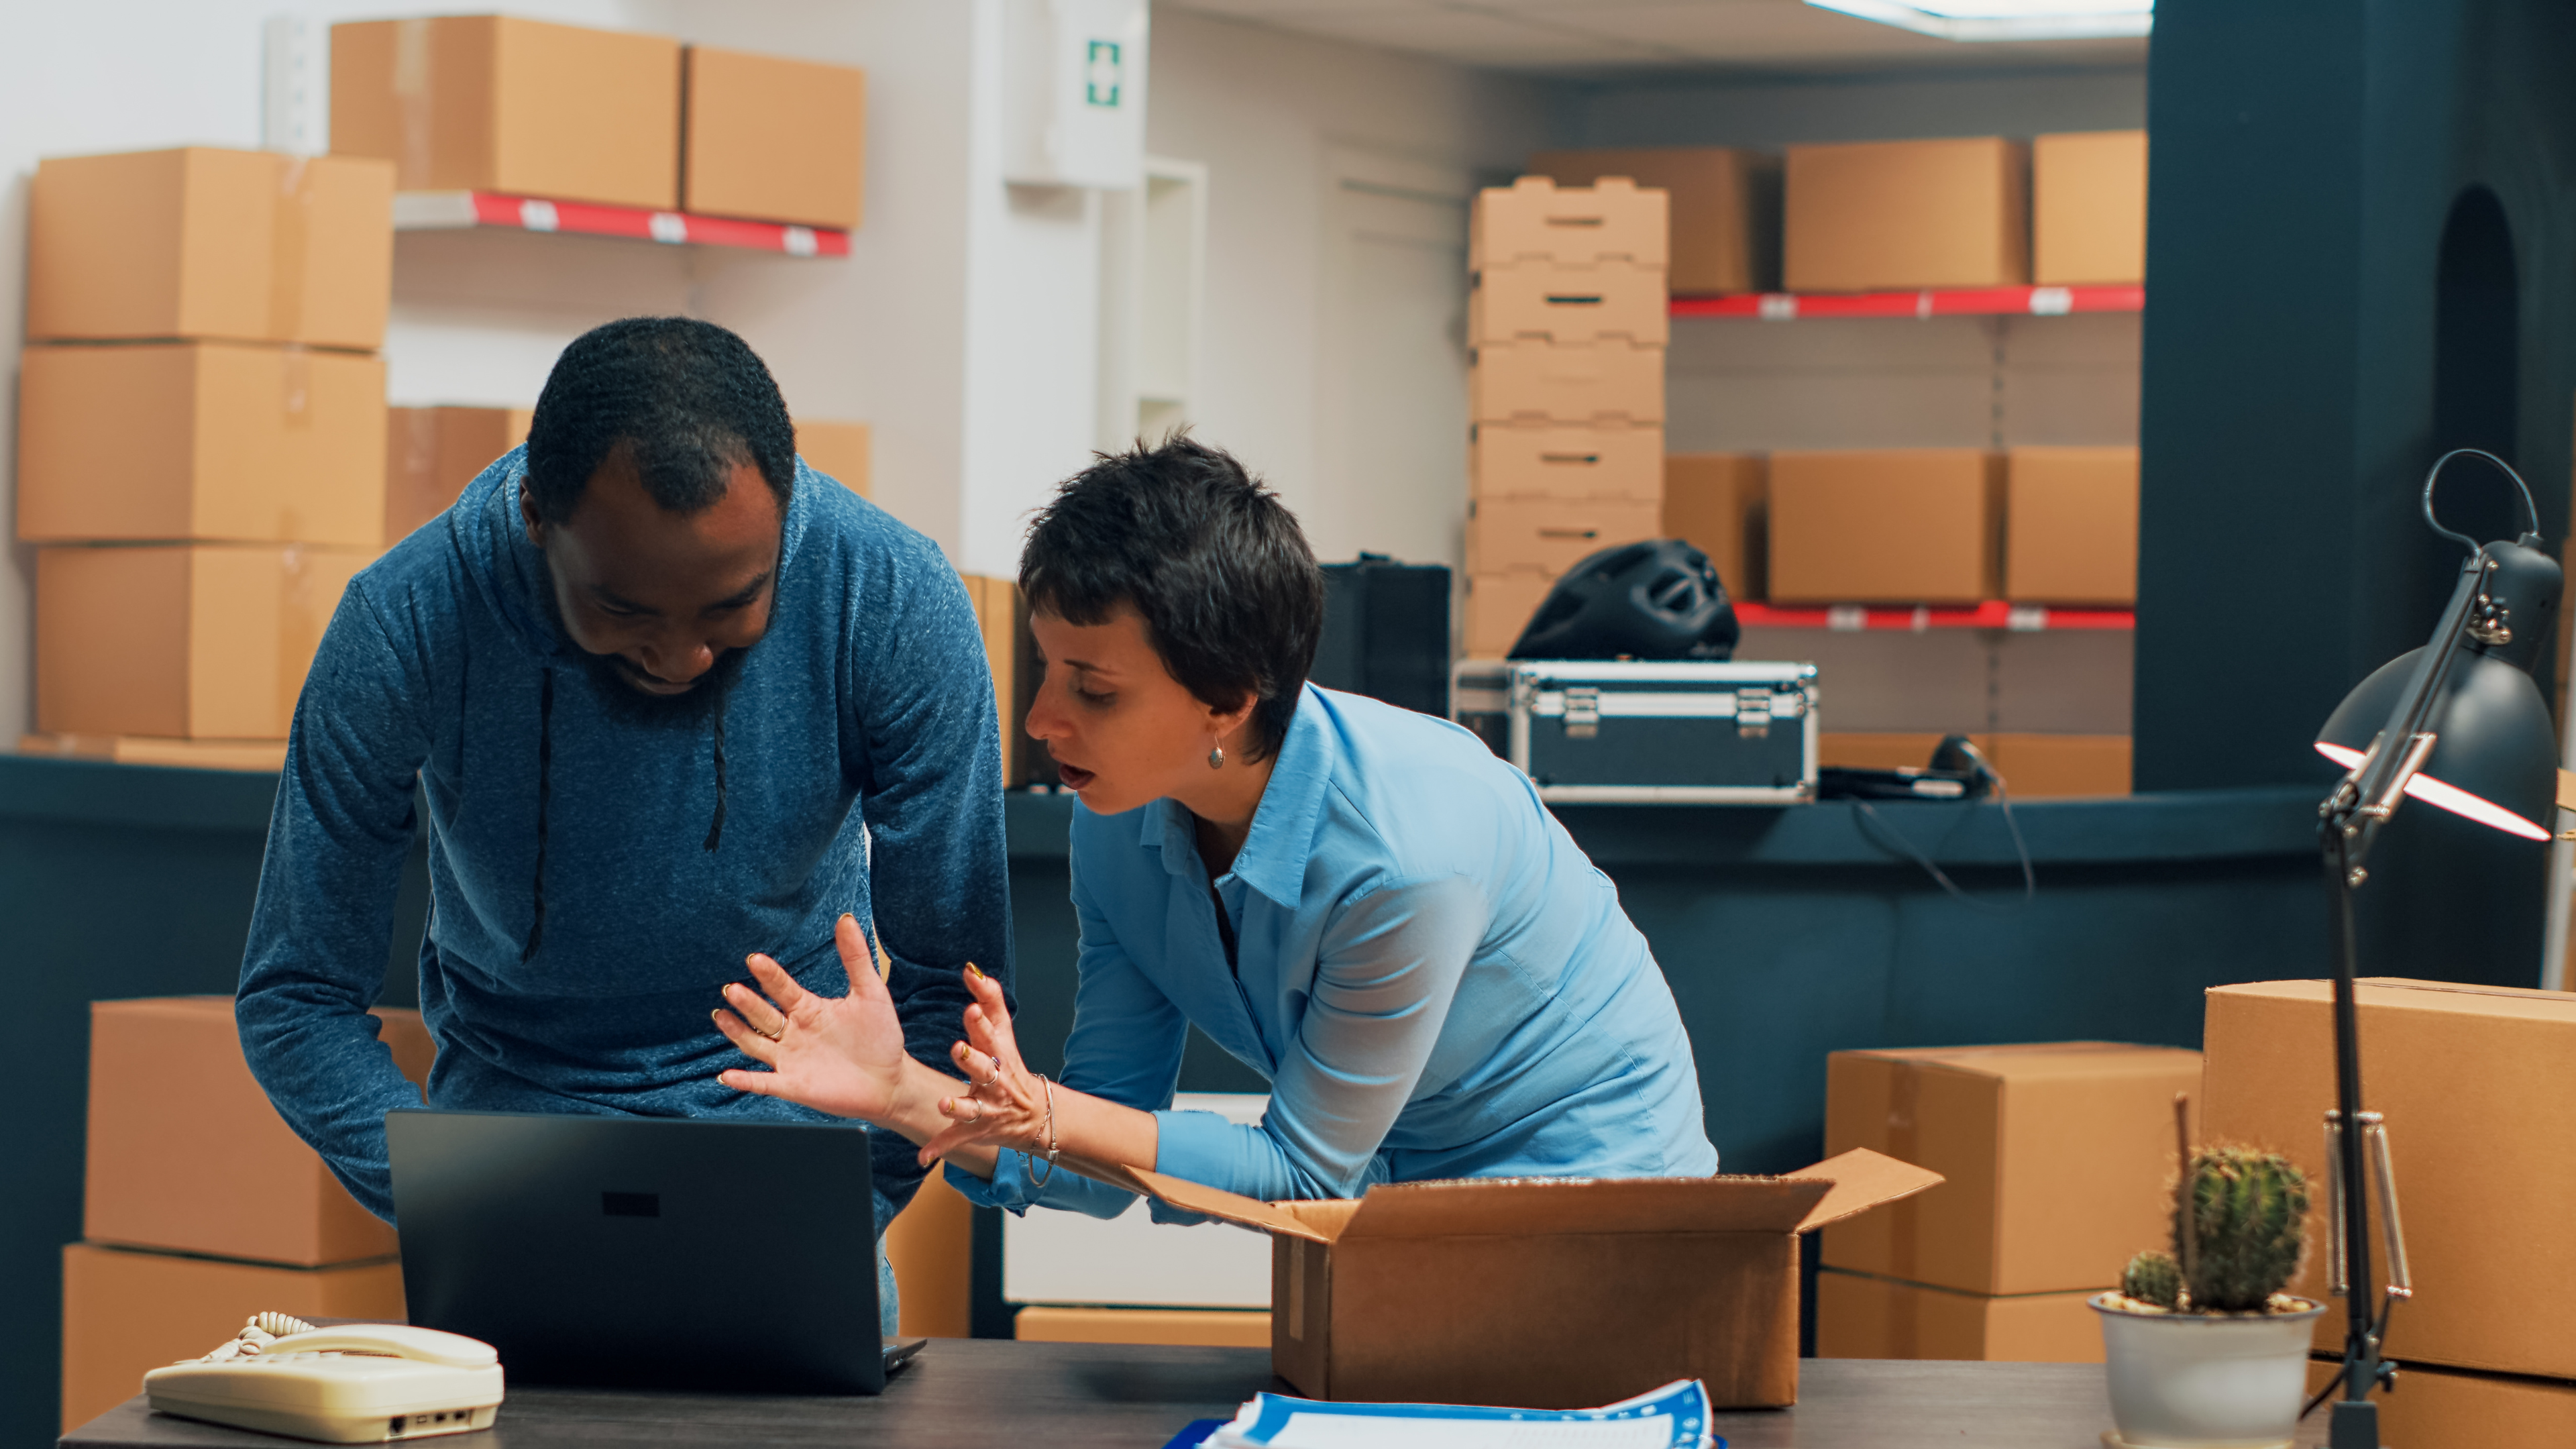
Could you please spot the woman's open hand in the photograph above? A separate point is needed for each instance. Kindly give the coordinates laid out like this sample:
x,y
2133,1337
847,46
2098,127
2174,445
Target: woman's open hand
x,y
1004,1105
843,1055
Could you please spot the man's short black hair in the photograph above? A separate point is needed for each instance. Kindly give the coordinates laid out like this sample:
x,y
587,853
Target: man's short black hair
x,y
1211,559
690,400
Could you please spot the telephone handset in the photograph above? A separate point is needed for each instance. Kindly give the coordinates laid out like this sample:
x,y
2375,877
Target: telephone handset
x,y
354,1383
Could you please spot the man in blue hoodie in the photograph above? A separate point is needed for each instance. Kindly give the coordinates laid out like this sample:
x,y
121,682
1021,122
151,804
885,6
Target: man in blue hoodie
x,y
670,698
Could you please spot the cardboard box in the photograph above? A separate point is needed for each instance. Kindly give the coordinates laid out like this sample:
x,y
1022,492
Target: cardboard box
x,y
1724,203
931,1244
1566,460
247,246
2472,1081
1551,535
1863,750
2088,208
1011,654
495,103
1896,526
2445,1409
1858,1316
2057,1155
1569,302
1499,607
2071,526
2046,767
1721,504
1888,215
203,441
1215,1327
128,1312
194,641
186,1154
262,756
432,453
1536,220
1550,1293
1609,380
839,451
772,139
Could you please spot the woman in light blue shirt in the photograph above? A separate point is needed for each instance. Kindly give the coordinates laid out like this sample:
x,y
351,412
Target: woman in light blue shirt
x,y
1357,901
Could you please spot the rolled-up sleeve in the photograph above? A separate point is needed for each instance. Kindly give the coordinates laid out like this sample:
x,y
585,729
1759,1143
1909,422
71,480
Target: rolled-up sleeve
x,y
1389,968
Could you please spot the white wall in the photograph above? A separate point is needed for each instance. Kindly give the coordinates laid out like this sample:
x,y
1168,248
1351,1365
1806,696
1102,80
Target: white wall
x,y
976,409
83,78
1275,117
1766,114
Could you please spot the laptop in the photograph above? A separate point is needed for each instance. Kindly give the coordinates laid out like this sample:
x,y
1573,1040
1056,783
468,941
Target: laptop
x,y
647,1252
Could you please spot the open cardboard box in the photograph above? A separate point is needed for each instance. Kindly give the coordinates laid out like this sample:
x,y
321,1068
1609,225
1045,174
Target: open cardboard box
x,y
1545,1293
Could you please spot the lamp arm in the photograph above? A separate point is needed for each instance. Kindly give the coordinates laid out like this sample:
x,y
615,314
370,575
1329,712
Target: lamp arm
x,y
2370,792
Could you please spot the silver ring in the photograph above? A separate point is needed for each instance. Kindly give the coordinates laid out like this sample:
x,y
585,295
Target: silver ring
x,y
997,1072
979,1111
775,1035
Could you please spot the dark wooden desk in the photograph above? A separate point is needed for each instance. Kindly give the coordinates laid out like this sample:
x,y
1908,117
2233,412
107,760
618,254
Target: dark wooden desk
x,y
987,1393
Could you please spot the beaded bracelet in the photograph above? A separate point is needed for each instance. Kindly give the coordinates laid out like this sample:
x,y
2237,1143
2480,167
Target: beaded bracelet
x,y
1036,1178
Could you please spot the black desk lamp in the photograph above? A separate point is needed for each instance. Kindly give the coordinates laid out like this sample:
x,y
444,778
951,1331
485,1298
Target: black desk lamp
x,y
2457,724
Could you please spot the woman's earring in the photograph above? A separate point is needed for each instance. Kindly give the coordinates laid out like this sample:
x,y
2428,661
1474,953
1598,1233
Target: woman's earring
x,y
1216,758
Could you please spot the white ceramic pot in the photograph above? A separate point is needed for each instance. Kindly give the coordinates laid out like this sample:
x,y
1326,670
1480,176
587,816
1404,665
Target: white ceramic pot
x,y
2194,1381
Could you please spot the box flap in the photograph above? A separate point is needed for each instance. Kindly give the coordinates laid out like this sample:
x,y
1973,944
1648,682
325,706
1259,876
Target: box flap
x,y
2405,993
1861,1180
1536,1206
1219,1204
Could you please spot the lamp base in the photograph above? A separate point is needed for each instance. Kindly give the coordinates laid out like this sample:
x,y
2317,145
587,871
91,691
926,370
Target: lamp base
x,y
2355,1425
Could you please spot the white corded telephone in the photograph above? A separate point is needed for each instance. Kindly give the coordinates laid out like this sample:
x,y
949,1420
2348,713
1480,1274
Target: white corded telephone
x,y
355,1384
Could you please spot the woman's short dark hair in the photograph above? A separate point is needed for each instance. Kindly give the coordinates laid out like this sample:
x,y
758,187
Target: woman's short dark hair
x,y
1211,559
689,399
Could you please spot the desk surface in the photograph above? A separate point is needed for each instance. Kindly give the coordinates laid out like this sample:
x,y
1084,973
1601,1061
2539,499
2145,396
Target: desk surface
x,y
981,1393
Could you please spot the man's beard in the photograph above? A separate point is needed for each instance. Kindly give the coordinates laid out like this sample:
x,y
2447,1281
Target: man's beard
x,y
622,701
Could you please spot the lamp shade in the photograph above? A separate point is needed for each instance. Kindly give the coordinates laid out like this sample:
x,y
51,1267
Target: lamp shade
x,y
2495,759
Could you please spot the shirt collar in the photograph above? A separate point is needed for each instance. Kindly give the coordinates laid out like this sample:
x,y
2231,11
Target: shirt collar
x,y
1273,858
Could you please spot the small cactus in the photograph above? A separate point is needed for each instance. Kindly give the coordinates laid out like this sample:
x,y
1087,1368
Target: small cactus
x,y
2153,1277
2240,1227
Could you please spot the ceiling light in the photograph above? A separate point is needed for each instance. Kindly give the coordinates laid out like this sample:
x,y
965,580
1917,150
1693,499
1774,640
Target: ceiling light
x,y
2005,19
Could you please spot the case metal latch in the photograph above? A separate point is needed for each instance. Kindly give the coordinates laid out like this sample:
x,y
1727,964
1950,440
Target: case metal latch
x,y
1582,712
1752,713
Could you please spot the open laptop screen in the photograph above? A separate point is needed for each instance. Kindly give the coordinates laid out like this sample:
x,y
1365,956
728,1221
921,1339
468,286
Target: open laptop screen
x,y
644,1251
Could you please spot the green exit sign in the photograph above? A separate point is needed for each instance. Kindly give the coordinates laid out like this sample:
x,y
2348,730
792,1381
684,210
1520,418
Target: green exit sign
x,y
1102,74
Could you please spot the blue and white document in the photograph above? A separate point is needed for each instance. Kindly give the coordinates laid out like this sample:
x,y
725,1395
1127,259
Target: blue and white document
x,y
1672,1417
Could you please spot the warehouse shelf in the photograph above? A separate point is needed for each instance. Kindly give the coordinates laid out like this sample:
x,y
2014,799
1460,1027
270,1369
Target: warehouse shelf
x,y
1992,614
464,210
1952,302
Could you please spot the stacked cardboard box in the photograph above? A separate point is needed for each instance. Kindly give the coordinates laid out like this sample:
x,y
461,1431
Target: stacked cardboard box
x,y
839,451
201,437
1725,208
2056,1157
1569,319
1720,503
1898,215
1003,616
200,1207
564,113
432,453
2088,208
2483,1137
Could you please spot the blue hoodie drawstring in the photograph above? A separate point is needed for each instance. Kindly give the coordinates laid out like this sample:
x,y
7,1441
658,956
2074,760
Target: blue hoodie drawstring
x,y
545,786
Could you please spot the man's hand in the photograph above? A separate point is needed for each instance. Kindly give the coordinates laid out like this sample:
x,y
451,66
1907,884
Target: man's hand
x,y
842,1055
